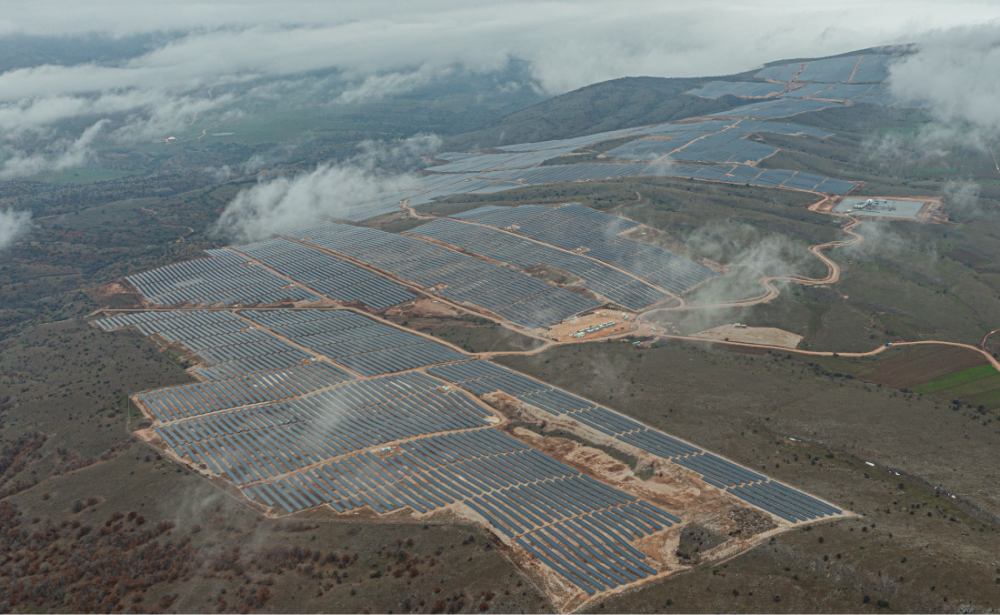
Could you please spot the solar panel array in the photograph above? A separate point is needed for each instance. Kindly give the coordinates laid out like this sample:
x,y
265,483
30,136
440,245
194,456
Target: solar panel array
x,y
505,247
482,377
781,107
575,226
831,70
508,293
857,78
599,172
301,436
779,73
224,278
717,147
336,279
223,340
571,144
206,397
365,346
473,162
578,526
259,442
297,438
866,68
743,89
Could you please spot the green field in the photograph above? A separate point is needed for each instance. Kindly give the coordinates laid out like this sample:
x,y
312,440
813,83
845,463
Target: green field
x,y
961,379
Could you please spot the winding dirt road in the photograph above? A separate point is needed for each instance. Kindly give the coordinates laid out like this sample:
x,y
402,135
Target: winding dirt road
x,y
771,292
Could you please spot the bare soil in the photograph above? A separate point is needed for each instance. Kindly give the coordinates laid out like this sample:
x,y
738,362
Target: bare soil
x,y
768,336
921,364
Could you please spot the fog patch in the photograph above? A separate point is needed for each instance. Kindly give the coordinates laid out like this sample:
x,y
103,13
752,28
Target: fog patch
x,y
13,225
749,255
961,200
377,87
329,191
60,155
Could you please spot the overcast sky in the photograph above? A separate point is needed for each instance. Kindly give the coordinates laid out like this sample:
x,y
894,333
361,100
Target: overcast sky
x,y
384,47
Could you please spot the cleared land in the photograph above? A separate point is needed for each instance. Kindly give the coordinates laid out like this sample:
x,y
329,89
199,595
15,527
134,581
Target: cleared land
x,y
767,336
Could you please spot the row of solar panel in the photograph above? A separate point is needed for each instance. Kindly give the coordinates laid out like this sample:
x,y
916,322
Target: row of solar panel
x,y
367,347
223,278
220,338
336,279
512,294
264,440
390,202
570,144
572,226
783,107
204,397
522,253
475,162
782,73
783,501
189,319
717,147
482,377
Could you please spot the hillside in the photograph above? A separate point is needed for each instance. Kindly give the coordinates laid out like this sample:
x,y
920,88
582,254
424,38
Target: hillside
x,y
619,103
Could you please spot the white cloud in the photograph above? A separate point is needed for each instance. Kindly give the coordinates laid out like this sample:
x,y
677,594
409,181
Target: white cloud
x,y
376,87
383,48
957,74
329,191
61,155
13,224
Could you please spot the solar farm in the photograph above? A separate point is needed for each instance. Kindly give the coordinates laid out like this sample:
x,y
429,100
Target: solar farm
x,y
720,147
306,400
309,401
809,86
306,409
709,150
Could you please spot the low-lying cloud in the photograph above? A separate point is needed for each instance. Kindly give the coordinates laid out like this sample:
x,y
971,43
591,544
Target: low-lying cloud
x,y
956,72
13,225
330,191
204,59
58,156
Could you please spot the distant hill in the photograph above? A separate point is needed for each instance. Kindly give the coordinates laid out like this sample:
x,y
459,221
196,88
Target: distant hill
x,y
620,103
